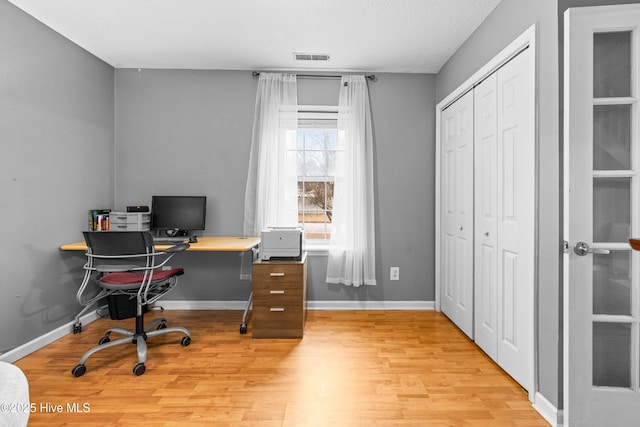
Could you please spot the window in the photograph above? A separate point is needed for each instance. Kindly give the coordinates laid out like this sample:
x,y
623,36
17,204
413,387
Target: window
x,y
316,155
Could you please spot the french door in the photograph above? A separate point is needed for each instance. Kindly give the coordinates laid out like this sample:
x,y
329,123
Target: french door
x,y
602,211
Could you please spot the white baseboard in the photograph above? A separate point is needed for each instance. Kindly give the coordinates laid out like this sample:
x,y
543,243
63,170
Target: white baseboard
x,y
201,305
43,340
311,305
549,412
37,343
371,305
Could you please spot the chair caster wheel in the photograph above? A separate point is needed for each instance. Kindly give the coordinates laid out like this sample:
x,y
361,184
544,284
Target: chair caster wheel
x,y
162,325
139,369
243,328
77,328
104,340
185,341
79,370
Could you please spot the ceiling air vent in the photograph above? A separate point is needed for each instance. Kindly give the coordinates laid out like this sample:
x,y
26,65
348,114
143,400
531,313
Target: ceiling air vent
x,y
311,56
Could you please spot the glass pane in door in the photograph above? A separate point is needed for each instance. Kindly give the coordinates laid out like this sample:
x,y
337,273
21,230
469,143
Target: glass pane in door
x,y
612,137
612,64
612,283
611,209
612,354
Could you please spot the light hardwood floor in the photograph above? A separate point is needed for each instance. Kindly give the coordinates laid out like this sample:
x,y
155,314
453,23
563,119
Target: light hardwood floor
x,y
352,368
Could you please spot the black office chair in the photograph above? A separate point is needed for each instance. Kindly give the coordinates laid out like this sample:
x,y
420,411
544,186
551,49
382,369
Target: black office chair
x,y
129,273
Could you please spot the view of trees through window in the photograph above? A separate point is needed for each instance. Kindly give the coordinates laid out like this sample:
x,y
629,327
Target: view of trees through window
x,y
316,161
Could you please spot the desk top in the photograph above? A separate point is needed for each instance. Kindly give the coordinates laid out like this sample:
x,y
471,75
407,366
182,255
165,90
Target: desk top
x,y
204,243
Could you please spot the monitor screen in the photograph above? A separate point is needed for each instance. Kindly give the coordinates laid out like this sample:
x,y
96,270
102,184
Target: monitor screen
x,y
180,213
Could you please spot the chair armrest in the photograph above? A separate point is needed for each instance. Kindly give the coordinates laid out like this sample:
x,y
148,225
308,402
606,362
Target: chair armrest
x,y
115,268
177,248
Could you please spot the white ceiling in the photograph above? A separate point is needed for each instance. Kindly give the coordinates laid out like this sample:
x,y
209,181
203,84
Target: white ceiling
x,y
415,36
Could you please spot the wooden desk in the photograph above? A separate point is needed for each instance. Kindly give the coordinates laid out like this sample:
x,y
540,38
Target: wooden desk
x,y
204,244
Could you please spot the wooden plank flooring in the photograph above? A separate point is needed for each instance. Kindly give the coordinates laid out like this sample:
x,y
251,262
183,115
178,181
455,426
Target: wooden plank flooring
x,y
352,368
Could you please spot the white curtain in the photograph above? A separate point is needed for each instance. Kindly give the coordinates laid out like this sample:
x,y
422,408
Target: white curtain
x,y
271,197
352,246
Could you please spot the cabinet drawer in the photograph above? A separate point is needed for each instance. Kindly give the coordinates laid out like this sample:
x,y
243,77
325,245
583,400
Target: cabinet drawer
x,y
272,314
129,217
277,273
277,291
128,227
121,218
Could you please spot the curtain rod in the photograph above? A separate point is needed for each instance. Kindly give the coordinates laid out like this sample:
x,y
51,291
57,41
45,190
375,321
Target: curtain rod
x,y
371,77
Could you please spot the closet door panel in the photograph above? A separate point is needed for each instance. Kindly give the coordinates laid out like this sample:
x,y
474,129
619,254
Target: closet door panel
x,y
457,213
516,210
485,238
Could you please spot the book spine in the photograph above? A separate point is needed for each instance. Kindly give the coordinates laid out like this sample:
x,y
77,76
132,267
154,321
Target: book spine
x,y
99,219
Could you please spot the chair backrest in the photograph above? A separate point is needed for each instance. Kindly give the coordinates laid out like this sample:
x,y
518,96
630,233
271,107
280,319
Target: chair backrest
x,y
113,243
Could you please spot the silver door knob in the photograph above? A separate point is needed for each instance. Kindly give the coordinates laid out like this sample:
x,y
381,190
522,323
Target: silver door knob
x,y
582,248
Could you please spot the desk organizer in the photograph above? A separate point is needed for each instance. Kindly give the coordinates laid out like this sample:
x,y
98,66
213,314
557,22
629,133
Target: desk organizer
x,y
129,221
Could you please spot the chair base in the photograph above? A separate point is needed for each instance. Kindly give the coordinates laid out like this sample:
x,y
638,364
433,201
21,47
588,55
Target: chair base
x,y
157,327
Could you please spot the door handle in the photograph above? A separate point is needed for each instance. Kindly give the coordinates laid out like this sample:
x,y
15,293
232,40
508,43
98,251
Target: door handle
x,y
582,248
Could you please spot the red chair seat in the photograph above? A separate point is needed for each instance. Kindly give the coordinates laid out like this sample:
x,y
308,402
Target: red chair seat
x,y
129,278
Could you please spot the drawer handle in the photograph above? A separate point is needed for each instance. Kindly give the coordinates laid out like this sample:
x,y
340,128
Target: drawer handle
x,y
277,274
277,291
276,309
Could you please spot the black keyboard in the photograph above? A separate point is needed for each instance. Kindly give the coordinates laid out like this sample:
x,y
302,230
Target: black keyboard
x,y
167,240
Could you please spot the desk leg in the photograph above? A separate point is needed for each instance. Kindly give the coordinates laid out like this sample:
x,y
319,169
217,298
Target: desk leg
x,y
243,325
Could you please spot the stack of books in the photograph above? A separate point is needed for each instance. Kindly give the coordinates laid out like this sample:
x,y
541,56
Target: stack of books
x,y
99,219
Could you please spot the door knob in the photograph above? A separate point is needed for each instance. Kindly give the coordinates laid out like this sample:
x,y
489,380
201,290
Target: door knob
x,y
582,248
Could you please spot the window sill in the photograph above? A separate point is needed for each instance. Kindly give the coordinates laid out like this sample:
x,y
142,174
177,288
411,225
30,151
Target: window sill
x,y
316,249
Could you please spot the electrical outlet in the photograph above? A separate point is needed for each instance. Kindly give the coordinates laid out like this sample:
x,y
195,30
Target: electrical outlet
x,y
394,273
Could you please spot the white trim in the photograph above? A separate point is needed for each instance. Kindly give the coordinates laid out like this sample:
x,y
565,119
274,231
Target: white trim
x,y
201,305
371,305
316,250
311,305
549,412
44,340
566,137
526,40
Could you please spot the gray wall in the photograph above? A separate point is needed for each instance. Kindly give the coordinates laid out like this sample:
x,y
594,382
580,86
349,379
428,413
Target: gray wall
x,y
189,132
56,162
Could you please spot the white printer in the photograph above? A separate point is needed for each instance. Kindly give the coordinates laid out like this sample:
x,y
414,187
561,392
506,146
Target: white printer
x,y
282,243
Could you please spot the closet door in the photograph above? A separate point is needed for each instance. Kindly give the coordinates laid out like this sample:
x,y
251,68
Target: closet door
x,y
457,213
486,217
516,216
504,215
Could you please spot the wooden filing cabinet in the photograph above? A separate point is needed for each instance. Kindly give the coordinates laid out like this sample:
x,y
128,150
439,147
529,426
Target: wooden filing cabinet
x,y
279,298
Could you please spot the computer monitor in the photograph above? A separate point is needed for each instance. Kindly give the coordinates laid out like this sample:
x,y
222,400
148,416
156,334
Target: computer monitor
x,y
178,215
